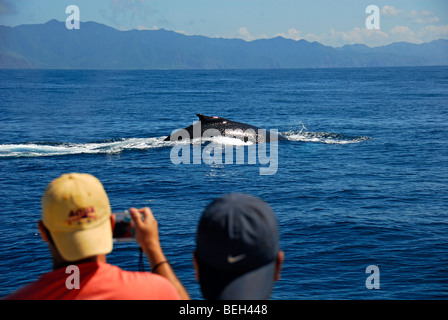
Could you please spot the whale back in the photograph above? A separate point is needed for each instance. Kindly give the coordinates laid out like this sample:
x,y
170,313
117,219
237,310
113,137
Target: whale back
x,y
208,119
243,131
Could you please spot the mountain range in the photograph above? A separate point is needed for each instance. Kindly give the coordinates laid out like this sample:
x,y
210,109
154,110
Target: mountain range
x,y
96,46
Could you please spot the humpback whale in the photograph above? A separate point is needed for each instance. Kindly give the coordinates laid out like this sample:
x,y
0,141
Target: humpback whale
x,y
208,127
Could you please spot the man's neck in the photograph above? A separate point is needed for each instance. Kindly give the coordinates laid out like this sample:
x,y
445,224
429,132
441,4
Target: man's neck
x,y
64,264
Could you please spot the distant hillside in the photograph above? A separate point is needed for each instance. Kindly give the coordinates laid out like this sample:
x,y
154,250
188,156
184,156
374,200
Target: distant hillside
x,y
96,46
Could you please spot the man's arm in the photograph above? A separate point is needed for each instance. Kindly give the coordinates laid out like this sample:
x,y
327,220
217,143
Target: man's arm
x,y
147,236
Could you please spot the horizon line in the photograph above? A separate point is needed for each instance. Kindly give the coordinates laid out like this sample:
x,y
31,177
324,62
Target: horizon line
x,y
224,38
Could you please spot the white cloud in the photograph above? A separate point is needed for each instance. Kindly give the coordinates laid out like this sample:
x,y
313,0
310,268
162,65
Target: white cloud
x,y
185,33
426,20
371,38
432,32
357,35
390,11
423,17
401,30
426,34
404,33
422,24
292,33
420,17
415,26
374,38
148,28
245,34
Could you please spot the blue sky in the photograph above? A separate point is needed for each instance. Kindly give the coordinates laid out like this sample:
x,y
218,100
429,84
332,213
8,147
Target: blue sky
x,y
331,22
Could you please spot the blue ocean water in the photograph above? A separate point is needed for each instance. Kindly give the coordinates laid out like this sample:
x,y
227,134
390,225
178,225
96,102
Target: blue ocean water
x,y
362,180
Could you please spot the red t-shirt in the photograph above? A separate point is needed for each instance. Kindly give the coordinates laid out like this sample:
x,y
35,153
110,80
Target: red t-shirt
x,y
97,281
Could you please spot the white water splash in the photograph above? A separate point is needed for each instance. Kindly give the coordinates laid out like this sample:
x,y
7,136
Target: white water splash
x,y
43,149
54,149
107,147
324,137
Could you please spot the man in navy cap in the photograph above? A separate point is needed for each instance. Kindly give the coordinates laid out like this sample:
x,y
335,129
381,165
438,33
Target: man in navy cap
x,y
237,253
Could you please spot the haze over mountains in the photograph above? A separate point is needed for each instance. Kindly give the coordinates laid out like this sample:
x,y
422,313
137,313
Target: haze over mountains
x,y
95,46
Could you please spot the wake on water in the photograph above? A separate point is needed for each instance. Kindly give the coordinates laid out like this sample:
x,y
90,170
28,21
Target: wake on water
x,y
45,149
324,137
42,149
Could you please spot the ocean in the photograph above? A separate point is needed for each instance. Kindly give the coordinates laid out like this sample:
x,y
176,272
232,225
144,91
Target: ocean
x,y
360,185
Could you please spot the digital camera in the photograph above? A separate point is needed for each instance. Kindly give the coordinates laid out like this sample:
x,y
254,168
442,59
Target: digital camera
x,y
124,229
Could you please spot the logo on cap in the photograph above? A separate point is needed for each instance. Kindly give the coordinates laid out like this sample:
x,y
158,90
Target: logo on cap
x,y
234,259
83,213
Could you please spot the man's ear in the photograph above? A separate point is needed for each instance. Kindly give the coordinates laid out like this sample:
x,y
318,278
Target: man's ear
x,y
43,231
279,264
112,222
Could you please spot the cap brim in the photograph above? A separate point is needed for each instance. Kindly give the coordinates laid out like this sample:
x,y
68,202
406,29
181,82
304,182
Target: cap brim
x,y
253,285
82,244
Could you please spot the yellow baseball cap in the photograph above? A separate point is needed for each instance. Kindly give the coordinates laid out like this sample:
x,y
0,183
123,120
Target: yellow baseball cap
x,y
76,211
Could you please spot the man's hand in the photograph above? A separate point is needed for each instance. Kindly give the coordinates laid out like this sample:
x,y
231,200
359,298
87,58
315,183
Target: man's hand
x,y
146,229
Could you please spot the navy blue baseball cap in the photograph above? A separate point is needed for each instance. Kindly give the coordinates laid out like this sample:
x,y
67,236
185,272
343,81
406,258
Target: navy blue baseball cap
x,y
237,244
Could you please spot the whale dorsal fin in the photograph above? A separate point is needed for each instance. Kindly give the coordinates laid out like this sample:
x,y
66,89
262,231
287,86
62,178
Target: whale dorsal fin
x,y
204,118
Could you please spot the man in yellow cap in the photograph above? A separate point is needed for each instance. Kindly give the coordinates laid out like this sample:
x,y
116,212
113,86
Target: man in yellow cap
x,y
77,224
